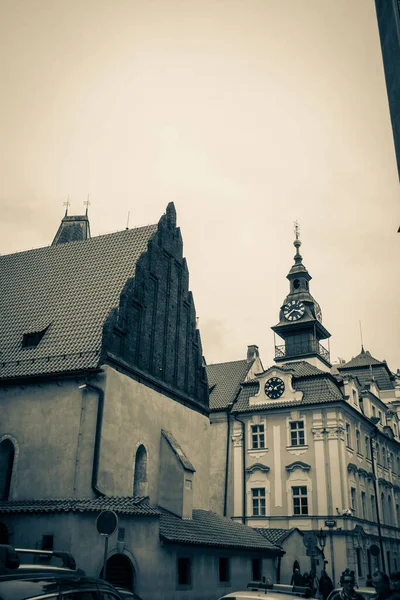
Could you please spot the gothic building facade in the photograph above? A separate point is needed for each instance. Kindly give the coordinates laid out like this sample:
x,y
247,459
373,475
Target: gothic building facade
x,y
104,405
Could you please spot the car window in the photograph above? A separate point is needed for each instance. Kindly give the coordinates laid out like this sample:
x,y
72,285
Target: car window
x,y
109,596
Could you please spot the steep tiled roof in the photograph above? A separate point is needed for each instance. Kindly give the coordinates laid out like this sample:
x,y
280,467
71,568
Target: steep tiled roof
x,y
62,287
318,387
178,450
209,529
274,535
224,379
364,365
123,505
301,368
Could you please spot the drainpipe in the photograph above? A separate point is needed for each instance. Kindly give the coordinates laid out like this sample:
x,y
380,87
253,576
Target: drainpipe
x,y
244,463
378,520
97,439
228,434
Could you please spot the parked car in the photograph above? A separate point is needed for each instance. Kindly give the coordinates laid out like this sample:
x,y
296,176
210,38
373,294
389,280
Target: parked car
x,y
47,582
366,592
276,591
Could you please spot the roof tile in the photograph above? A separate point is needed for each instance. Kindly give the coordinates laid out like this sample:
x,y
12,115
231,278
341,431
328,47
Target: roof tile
x,y
120,504
224,380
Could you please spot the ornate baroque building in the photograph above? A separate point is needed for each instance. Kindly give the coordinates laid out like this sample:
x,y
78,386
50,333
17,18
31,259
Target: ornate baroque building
x,y
307,446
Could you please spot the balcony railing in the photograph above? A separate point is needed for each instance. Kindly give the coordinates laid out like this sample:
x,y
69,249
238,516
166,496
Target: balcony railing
x,y
301,349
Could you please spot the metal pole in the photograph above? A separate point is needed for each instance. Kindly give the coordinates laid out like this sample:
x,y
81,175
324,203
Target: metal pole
x,y
332,555
105,557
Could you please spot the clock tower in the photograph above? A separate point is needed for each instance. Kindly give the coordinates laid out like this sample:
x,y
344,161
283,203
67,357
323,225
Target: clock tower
x,y
300,320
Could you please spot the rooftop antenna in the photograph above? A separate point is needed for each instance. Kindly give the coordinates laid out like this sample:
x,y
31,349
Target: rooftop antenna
x,y
361,336
127,220
87,204
66,204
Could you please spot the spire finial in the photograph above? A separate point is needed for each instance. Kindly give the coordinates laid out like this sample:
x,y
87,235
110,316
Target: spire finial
x,y
297,243
66,204
361,337
87,204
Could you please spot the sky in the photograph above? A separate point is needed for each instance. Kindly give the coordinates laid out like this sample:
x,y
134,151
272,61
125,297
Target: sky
x,y
248,115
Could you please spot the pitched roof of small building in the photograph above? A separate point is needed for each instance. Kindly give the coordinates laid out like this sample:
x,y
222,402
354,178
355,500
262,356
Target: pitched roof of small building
x,y
276,535
206,528
224,381
317,387
120,504
364,366
59,292
183,459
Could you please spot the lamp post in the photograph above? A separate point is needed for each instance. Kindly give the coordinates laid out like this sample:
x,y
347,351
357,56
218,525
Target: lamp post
x,y
321,535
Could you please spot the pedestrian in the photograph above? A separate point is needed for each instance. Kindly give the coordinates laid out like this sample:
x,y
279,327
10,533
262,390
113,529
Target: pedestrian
x,y
325,584
395,580
347,581
297,578
381,583
307,580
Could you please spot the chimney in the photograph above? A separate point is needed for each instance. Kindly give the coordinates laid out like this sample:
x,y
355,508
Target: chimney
x,y
252,353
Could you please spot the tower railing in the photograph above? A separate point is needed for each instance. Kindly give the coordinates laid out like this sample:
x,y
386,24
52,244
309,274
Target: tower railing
x,y
290,350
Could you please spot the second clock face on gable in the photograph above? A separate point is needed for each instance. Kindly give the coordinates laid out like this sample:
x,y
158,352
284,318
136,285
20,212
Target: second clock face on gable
x,y
274,387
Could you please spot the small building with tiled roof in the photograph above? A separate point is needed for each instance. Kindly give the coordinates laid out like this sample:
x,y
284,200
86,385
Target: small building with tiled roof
x,y
306,447
104,404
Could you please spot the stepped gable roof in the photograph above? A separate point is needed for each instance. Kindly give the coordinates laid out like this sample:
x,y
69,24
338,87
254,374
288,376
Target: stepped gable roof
x,y
317,386
127,505
60,292
364,365
224,380
276,535
183,459
206,528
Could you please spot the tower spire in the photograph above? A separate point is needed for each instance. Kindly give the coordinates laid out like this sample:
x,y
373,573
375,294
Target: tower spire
x,y
297,243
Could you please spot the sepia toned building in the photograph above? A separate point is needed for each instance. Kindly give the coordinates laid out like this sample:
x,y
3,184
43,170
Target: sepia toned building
x,y
304,445
104,404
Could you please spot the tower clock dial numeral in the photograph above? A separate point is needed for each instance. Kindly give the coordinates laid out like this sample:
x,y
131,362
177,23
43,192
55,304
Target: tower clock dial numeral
x,y
294,310
274,387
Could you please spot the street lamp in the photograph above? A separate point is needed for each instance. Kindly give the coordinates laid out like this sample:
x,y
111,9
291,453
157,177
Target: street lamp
x,y
322,541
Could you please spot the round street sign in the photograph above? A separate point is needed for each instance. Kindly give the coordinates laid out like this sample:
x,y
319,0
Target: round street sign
x,y
107,522
374,549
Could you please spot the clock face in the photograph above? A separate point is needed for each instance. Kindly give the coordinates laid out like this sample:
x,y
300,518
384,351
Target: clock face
x,y
274,388
318,311
294,310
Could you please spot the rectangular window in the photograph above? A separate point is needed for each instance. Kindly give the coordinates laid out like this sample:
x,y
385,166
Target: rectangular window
x,y
359,562
297,434
373,411
348,435
378,453
380,416
373,508
256,569
355,397
257,436
300,501
223,569
398,515
367,448
392,463
184,571
363,510
258,496
358,442
353,499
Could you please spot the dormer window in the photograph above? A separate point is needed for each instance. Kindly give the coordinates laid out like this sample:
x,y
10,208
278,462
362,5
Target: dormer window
x,y
32,339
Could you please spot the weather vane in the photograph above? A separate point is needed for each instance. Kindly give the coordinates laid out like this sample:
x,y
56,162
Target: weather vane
x,y
87,204
296,229
67,204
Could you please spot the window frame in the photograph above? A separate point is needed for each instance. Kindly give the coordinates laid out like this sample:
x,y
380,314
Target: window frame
x,y
189,584
257,500
296,432
227,581
257,436
348,435
300,495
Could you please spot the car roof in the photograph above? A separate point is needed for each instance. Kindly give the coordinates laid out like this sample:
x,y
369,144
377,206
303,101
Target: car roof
x,y
17,587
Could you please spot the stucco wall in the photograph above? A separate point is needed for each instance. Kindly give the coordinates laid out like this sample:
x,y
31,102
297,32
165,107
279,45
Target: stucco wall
x,y
218,435
135,414
52,426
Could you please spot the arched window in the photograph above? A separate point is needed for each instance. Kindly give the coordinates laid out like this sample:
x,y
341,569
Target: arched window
x,y
140,474
7,453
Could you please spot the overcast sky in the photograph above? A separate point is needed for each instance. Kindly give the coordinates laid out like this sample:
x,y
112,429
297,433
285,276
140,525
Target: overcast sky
x,y
248,114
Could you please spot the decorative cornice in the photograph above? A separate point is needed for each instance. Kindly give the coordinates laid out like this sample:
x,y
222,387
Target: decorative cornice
x,y
298,464
258,467
352,468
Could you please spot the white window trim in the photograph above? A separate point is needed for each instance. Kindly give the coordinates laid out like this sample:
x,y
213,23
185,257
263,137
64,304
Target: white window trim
x,y
289,420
